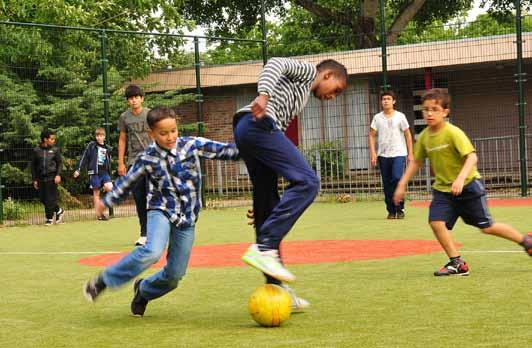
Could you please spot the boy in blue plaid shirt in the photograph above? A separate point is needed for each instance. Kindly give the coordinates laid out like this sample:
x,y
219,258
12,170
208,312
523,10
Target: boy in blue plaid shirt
x,y
172,167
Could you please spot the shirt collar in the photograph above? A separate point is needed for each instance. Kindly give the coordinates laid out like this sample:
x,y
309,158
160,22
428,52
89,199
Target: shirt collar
x,y
163,152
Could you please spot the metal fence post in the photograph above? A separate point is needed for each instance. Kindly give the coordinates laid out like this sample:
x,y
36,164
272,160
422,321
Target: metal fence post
x,y
199,103
383,49
103,47
264,33
1,188
520,78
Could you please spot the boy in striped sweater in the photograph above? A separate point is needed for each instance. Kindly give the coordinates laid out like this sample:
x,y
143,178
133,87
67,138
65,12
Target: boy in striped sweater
x,y
284,87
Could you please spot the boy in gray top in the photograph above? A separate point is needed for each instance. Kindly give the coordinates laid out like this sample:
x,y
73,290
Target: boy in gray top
x,y
133,127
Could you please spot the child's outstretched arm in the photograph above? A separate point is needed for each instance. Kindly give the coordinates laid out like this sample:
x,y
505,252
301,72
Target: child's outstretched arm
x,y
469,164
216,150
400,190
82,161
125,184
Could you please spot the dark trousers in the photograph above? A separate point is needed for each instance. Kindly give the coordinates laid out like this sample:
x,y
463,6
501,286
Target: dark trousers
x,y
140,193
48,197
268,153
392,169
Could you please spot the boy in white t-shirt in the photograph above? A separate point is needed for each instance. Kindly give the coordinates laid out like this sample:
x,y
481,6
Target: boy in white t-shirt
x,y
395,146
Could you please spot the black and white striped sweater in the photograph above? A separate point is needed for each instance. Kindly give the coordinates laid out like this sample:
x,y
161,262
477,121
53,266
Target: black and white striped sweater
x,y
288,83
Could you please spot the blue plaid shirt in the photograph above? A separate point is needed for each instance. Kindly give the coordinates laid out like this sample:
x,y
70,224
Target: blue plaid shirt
x,y
174,177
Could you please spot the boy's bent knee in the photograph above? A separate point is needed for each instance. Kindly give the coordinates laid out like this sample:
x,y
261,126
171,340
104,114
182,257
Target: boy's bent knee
x,y
150,256
172,283
312,184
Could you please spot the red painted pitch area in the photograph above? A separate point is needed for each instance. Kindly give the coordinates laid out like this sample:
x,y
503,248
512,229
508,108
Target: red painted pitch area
x,y
491,202
297,252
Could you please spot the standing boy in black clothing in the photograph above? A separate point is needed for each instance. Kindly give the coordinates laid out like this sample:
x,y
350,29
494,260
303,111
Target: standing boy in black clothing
x,y
134,135
97,158
46,166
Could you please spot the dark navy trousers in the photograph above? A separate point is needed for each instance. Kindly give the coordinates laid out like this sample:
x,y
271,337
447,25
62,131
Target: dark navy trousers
x,y
140,195
268,154
392,169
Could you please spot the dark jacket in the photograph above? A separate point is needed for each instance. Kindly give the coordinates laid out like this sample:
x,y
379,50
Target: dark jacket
x,y
89,158
46,163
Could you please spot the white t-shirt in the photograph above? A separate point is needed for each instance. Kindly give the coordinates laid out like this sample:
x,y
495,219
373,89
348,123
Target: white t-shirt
x,y
390,134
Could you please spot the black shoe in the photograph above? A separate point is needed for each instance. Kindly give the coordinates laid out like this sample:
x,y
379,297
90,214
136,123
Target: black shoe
x,y
93,288
452,268
400,215
391,216
139,303
102,218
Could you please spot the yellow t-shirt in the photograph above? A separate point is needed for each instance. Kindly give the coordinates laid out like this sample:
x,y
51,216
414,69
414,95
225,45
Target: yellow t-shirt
x,y
446,150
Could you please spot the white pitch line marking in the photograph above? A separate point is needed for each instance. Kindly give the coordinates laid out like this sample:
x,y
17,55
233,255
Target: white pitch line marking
x,y
57,252
491,251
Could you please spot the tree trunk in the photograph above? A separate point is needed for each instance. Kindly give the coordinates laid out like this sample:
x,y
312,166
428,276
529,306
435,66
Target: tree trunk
x,y
366,36
365,32
402,20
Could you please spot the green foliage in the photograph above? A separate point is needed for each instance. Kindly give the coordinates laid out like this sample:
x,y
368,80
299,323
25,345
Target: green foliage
x,y
14,175
484,25
329,157
318,26
52,78
12,209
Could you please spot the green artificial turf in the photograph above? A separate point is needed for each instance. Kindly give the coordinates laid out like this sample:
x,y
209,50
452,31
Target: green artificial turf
x,y
394,302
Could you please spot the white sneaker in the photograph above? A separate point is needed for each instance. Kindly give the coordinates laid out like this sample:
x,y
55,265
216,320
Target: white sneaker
x,y
59,216
268,262
298,304
141,241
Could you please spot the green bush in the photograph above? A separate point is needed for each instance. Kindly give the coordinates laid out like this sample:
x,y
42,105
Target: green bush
x,y
13,210
330,156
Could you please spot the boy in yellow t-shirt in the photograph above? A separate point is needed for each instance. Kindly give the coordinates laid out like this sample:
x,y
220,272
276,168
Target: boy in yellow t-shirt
x,y
457,189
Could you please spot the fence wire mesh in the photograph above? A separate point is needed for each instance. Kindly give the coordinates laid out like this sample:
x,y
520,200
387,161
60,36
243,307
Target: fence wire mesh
x,y
72,81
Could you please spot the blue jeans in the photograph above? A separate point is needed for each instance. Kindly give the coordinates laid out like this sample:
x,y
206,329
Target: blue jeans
x,y
268,153
392,169
160,232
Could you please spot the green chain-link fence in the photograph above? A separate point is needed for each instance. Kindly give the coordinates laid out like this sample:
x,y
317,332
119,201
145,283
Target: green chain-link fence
x,y
72,80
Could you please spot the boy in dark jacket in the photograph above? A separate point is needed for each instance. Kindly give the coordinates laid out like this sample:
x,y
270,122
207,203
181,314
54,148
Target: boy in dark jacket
x,y
46,166
97,158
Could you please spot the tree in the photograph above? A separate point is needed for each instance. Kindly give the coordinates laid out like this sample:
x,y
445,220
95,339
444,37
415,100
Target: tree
x,y
358,18
52,78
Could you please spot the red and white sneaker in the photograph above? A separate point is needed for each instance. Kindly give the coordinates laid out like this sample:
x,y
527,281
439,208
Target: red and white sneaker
x,y
527,244
459,268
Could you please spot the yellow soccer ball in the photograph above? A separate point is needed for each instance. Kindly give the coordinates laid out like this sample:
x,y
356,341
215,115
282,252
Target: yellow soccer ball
x,y
270,305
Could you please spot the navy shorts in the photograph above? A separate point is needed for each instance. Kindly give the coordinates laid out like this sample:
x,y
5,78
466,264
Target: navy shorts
x,y
470,205
98,180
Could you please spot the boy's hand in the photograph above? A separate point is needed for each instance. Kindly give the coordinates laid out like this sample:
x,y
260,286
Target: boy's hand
x,y
36,185
57,179
75,174
457,187
373,160
122,169
258,107
399,194
250,215
100,208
